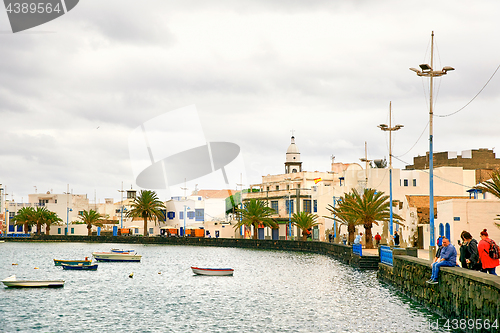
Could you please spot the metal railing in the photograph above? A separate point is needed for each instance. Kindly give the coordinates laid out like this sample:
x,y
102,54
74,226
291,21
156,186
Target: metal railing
x,y
386,255
357,249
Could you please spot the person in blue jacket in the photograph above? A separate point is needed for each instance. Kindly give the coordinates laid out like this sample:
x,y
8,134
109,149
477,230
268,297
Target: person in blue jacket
x,y
447,258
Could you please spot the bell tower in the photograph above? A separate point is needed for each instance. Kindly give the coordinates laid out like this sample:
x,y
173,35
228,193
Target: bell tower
x,y
292,162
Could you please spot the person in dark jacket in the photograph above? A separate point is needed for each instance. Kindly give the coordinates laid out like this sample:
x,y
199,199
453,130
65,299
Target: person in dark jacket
x,y
464,251
472,254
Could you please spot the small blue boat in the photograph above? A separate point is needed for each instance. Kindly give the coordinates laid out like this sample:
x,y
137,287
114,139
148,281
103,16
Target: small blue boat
x,y
80,267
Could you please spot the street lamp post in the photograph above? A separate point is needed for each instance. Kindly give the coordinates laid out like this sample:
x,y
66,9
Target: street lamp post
x,y
121,210
427,71
390,129
334,220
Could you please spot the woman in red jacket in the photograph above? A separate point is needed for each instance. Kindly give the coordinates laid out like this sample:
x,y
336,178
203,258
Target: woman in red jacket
x,y
483,248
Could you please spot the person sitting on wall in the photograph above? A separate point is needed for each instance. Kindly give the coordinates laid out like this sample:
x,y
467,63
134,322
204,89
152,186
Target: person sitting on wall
x,y
447,258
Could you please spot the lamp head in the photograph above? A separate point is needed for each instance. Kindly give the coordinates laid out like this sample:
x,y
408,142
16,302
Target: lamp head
x,y
448,68
415,70
425,67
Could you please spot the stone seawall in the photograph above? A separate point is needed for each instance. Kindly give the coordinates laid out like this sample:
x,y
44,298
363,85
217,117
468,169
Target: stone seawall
x,y
468,298
338,251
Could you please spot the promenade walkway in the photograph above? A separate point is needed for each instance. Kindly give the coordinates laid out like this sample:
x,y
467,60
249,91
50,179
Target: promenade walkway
x,y
422,254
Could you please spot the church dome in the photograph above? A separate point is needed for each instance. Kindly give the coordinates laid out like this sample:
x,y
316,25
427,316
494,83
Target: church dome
x,y
293,149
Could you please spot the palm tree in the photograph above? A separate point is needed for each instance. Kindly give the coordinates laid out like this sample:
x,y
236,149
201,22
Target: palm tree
x,y
41,214
491,186
305,221
91,218
50,219
343,214
369,208
26,217
148,206
256,212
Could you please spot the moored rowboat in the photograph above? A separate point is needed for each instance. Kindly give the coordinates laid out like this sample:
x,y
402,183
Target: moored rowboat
x,y
12,282
72,262
80,267
212,271
112,256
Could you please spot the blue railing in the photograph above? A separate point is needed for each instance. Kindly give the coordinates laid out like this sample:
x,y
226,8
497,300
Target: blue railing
x,y
15,235
357,249
386,255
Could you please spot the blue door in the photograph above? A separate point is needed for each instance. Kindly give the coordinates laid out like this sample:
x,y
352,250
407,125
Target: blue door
x,y
276,234
447,231
260,233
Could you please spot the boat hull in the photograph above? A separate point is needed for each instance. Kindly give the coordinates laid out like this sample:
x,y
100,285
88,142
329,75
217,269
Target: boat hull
x,y
80,267
213,271
111,256
12,282
72,262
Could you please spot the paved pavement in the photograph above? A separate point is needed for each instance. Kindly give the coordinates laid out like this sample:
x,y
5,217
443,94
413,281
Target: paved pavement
x,y
422,254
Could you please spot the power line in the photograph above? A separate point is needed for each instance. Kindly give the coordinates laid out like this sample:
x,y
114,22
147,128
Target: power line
x,y
447,115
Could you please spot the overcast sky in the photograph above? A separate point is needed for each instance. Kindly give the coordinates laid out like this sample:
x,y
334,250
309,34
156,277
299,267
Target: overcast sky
x,y
73,90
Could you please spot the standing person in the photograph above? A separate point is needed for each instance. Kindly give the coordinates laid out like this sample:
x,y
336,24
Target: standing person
x,y
440,241
447,258
357,240
464,252
377,239
330,237
472,254
488,263
396,238
344,239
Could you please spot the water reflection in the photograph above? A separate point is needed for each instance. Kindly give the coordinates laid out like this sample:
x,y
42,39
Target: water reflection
x,y
270,291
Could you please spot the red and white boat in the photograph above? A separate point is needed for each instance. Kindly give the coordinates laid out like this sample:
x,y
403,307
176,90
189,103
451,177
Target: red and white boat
x,y
212,271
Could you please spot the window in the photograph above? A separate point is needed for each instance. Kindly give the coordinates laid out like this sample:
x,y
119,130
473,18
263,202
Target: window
x,y
307,206
181,215
341,179
72,231
288,187
58,231
171,215
268,189
164,213
56,201
315,206
289,206
200,214
274,205
117,211
277,188
298,185
414,182
405,182
151,231
136,231
190,215
80,212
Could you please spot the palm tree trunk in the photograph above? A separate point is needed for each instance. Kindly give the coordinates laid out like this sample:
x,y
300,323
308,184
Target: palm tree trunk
x,y
89,230
146,227
368,237
351,229
47,229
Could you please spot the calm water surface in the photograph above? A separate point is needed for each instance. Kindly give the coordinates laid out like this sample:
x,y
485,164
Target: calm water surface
x,y
271,291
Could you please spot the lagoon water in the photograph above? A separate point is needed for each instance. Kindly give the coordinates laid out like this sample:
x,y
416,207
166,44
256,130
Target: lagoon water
x,y
271,291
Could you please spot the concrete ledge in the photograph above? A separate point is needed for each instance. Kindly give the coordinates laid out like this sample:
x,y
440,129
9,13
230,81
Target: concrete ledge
x,y
460,294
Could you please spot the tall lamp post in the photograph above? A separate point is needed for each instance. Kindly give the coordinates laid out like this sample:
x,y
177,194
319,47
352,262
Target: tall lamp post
x,y
427,71
390,129
121,210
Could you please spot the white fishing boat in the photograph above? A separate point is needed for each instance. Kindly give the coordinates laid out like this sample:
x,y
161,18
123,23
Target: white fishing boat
x,y
212,271
122,251
13,282
113,256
